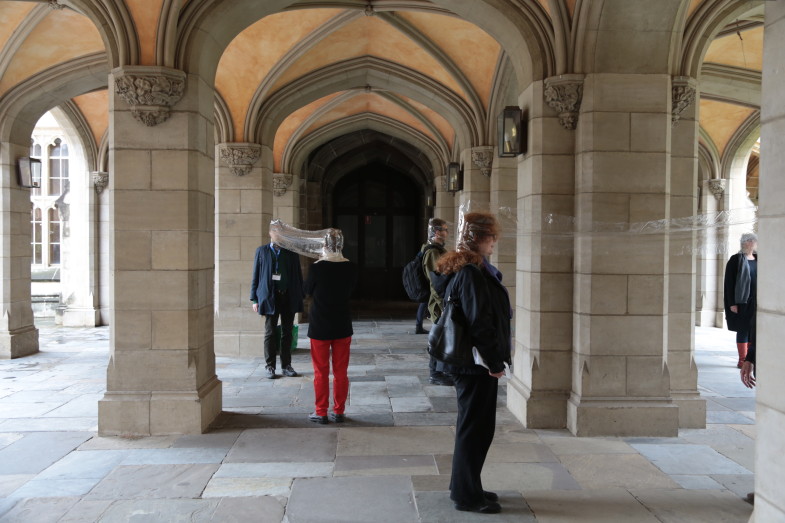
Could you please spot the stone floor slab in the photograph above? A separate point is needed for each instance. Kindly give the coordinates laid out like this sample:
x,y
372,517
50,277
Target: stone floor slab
x,y
689,459
385,465
436,507
85,511
249,509
39,510
11,482
48,488
600,471
246,487
37,451
694,506
275,470
180,456
388,499
119,443
154,481
565,446
397,441
284,445
520,453
693,482
160,511
411,404
588,506
523,477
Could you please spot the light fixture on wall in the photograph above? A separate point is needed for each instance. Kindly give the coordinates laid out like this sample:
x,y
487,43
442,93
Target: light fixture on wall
x,y
28,172
510,130
454,177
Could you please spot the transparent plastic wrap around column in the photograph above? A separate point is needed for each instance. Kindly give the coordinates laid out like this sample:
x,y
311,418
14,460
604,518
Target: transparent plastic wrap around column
x,y
322,243
707,234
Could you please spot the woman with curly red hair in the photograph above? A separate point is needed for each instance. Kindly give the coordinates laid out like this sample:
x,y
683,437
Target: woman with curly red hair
x,y
468,276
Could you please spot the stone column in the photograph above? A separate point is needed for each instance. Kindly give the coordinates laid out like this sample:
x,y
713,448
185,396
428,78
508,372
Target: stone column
x,y
476,178
504,190
80,291
445,205
244,205
620,381
161,376
18,335
710,311
683,244
770,412
539,387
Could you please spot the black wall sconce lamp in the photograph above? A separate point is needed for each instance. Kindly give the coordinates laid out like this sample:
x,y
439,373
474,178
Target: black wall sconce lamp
x,y
510,129
28,172
454,177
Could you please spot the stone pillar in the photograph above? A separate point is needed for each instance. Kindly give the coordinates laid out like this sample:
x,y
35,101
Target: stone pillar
x,y
286,198
161,375
683,244
80,269
504,190
103,245
539,386
710,310
476,178
770,412
18,335
620,381
244,205
445,205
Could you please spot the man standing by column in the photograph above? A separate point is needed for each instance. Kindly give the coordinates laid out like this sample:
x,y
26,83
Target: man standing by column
x,y
432,251
277,291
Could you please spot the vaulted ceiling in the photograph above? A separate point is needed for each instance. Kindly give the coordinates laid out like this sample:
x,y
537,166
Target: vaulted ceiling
x,y
447,71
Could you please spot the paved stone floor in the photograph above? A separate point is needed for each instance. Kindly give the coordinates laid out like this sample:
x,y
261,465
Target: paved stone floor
x,y
264,462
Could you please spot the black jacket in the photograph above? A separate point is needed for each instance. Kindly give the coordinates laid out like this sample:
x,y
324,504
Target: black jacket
x,y
741,321
331,285
485,305
262,280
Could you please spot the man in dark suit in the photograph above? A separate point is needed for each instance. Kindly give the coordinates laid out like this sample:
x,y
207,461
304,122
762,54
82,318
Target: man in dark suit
x,y
277,291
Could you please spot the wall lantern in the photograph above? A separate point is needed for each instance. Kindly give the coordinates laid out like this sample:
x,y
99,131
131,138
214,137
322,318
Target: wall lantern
x,y
510,129
28,172
454,177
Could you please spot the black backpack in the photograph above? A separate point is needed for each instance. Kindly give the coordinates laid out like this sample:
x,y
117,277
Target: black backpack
x,y
417,286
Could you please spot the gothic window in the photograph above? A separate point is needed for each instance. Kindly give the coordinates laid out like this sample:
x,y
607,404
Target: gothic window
x,y
37,241
55,229
58,167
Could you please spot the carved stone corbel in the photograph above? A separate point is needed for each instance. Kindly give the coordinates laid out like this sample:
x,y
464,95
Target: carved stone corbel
x,y
281,182
482,157
717,188
683,95
54,5
240,157
563,94
100,181
151,91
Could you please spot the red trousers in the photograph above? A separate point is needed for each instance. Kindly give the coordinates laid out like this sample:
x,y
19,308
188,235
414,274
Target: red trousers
x,y
320,355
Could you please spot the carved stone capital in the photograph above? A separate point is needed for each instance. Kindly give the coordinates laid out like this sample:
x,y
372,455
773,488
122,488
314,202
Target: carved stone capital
x,y
281,182
717,188
151,91
54,5
683,95
100,181
240,157
482,157
563,94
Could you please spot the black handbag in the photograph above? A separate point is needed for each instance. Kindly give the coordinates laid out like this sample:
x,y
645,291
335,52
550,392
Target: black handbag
x,y
449,340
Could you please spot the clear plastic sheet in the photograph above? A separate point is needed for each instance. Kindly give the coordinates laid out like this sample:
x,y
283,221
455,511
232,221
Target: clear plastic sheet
x,y
325,244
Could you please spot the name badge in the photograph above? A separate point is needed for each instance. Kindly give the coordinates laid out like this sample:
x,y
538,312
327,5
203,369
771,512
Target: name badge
x,y
276,277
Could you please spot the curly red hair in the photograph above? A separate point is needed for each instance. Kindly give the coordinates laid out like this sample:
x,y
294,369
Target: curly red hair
x,y
476,227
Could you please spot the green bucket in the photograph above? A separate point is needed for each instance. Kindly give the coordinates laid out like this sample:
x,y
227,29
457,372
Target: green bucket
x,y
295,332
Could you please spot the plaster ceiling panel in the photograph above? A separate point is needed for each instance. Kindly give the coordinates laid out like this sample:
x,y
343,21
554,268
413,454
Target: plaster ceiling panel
x,y
146,14
746,52
368,36
721,120
292,123
370,103
473,50
444,127
61,36
254,52
693,6
95,109
11,15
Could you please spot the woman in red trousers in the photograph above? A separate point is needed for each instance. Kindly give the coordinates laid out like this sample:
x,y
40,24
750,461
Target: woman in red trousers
x,y
330,282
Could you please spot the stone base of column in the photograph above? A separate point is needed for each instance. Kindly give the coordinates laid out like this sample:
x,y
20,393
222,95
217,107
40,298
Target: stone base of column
x,y
19,343
536,410
651,418
159,413
692,410
81,317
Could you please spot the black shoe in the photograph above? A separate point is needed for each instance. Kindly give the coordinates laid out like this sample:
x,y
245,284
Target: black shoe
x,y
490,496
441,379
269,372
420,330
321,420
489,507
288,371
337,418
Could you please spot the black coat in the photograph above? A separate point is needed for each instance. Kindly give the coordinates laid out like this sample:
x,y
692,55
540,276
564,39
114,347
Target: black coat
x,y
741,321
331,284
485,305
262,280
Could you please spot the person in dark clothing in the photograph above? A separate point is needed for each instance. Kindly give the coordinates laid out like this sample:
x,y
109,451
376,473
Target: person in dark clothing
x,y
331,280
277,291
467,275
740,293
